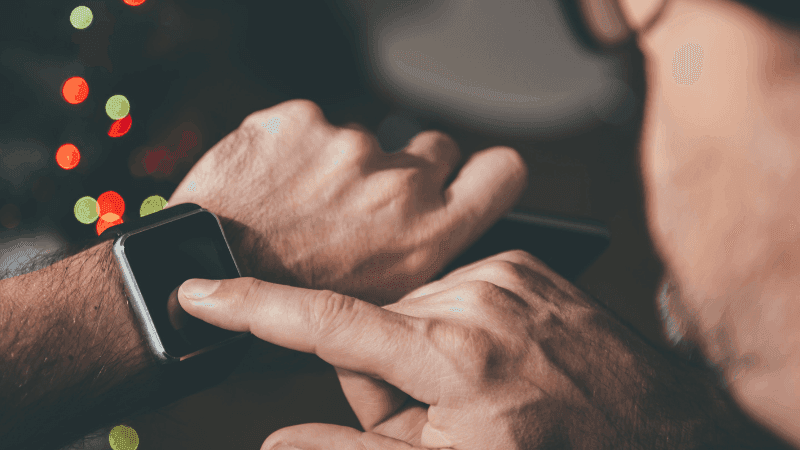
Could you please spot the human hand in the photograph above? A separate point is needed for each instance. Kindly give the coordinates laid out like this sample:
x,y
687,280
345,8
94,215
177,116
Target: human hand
x,y
500,354
319,206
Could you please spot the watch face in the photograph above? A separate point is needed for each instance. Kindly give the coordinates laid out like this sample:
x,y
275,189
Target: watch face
x,y
162,258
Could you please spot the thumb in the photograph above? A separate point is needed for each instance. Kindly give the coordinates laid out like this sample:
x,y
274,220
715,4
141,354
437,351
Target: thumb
x,y
313,436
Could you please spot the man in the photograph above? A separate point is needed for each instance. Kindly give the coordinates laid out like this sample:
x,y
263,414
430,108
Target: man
x,y
500,354
505,354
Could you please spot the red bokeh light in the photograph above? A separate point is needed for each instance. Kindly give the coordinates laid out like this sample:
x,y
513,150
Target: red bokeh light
x,y
153,158
163,160
134,2
109,202
188,141
75,90
120,127
103,225
68,156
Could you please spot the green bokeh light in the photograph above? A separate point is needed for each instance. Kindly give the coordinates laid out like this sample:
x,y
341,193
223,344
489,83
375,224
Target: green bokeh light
x,y
86,210
81,17
154,203
117,107
123,438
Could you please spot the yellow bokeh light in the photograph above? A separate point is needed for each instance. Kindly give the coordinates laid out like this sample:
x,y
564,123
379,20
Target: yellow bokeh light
x,y
86,210
117,107
123,438
154,203
81,17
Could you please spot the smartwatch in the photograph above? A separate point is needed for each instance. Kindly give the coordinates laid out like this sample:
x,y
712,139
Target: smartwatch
x,y
156,254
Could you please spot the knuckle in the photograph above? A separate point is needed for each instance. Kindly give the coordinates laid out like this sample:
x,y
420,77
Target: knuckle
x,y
250,295
355,126
477,351
480,288
504,270
438,138
303,107
520,257
361,142
298,109
330,312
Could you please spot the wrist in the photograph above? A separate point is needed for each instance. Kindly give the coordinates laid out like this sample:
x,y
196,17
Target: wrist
x,y
76,357
254,253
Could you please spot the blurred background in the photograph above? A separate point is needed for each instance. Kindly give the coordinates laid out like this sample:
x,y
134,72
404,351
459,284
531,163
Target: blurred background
x,y
487,72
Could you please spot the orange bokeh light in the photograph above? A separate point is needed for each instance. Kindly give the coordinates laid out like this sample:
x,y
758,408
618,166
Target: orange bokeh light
x,y
133,2
103,225
75,90
120,127
109,203
68,156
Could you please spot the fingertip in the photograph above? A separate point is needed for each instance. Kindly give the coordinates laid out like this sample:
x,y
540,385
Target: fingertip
x,y
492,179
515,165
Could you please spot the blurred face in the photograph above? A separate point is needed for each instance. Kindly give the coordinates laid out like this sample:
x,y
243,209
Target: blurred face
x,y
720,154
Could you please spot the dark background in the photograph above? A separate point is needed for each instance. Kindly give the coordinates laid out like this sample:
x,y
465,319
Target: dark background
x,y
203,66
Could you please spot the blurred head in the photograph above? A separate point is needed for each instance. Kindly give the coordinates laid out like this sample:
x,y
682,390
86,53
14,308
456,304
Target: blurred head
x,y
720,159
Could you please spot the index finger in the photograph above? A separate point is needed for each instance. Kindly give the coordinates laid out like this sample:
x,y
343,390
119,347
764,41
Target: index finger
x,y
343,331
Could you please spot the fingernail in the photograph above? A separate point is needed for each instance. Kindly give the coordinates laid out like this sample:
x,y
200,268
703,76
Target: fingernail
x,y
198,288
285,447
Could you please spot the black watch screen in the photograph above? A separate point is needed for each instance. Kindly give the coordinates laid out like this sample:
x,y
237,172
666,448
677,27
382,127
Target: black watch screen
x,y
162,258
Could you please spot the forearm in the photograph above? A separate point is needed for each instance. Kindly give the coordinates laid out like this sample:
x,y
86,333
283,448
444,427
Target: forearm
x,y
72,356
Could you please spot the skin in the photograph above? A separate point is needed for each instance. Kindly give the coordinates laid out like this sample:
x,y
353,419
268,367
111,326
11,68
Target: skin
x,y
304,202
719,170
517,365
720,163
309,204
502,354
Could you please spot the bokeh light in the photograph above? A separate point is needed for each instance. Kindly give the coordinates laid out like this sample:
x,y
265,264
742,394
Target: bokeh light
x,y
75,90
10,215
188,142
153,158
117,107
103,225
154,203
123,437
68,156
110,217
134,2
163,160
120,127
86,210
110,202
81,17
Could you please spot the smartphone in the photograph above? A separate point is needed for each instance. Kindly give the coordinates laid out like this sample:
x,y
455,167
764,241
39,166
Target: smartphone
x,y
568,246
